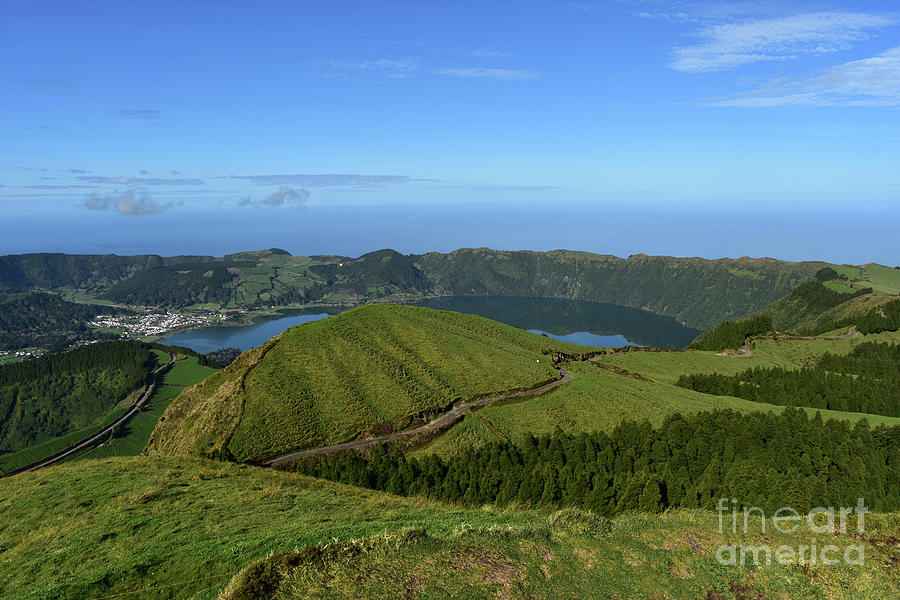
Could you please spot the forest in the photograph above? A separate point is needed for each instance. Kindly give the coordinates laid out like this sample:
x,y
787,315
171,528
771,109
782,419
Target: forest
x,y
58,393
875,320
731,334
762,459
866,380
45,320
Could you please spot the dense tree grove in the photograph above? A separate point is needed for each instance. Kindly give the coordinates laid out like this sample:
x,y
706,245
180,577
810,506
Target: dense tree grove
x,y
761,459
867,380
179,285
880,318
45,320
820,298
731,334
220,358
52,395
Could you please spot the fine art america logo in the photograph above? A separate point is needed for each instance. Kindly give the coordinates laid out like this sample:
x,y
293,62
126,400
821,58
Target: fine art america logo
x,y
786,520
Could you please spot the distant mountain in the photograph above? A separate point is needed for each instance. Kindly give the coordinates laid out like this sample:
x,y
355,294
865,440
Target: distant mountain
x,y
695,291
23,272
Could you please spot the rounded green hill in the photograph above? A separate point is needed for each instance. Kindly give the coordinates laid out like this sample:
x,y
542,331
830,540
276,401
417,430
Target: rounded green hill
x,y
371,369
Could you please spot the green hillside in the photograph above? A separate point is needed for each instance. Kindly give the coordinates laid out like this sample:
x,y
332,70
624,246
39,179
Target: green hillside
x,y
46,321
835,297
131,438
371,369
156,529
58,394
642,385
695,291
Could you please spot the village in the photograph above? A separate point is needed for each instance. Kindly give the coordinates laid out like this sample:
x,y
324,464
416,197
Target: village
x,y
153,323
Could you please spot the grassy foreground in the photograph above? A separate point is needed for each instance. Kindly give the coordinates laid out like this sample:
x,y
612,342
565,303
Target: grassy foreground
x,y
185,528
370,369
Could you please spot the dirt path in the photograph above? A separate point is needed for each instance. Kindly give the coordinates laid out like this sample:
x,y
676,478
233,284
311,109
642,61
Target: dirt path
x,y
444,420
843,336
79,446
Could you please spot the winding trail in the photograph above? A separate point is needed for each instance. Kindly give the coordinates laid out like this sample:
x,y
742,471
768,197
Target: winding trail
x,y
81,445
444,420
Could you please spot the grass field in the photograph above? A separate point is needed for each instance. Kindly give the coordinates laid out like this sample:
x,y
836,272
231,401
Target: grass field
x,y
885,280
133,437
882,279
370,368
839,286
597,399
154,528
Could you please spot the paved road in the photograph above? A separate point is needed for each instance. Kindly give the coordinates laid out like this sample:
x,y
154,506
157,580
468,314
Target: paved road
x,y
443,421
79,446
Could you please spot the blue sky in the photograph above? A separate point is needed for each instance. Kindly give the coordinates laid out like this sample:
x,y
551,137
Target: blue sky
x,y
269,112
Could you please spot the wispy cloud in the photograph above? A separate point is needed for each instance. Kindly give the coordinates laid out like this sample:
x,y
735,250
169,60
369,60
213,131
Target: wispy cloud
x,y
58,187
392,68
727,46
129,203
496,188
285,196
326,180
125,180
483,52
489,74
76,171
145,114
871,81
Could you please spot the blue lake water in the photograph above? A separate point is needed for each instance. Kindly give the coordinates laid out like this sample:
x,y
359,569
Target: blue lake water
x,y
244,337
586,338
577,322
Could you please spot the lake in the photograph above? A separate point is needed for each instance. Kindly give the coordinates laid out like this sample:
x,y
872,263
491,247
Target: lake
x,y
576,321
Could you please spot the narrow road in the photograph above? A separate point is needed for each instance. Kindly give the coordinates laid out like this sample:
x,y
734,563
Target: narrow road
x,y
79,446
444,420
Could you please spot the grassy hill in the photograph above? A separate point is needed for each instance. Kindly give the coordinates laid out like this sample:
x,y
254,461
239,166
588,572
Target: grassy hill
x,y
836,295
161,528
640,385
373,368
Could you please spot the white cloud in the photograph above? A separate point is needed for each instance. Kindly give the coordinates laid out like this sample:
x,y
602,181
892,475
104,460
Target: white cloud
x,y
871,81
127,180
489,74
728,46
127,203
283,197
327,179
